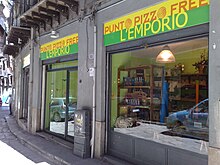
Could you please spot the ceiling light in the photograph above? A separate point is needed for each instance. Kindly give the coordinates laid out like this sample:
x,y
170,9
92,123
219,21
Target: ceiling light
x,y
165,56
54,34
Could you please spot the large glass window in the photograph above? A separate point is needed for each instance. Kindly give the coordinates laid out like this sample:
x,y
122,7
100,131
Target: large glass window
x,y
61,98
163,98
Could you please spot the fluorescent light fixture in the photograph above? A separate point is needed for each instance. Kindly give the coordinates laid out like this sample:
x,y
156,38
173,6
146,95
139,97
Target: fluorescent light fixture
x,y
165,56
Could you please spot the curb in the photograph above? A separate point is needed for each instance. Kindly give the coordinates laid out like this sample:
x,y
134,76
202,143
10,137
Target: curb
x,y
32,140
17,133
115,161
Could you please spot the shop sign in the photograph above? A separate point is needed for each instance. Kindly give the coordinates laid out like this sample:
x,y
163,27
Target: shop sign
x,y
61,47
26,60
167,16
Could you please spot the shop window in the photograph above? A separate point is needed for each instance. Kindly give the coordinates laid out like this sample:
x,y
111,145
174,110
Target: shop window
x,y
167,96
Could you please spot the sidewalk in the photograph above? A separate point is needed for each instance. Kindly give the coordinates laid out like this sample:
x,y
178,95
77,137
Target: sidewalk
x,y
53,150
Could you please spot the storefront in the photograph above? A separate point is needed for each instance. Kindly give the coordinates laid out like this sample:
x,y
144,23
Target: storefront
x,y
60,66
22,74
152,97
25,79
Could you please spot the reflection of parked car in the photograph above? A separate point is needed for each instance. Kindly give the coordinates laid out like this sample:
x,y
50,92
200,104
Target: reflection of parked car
x,y
58,109
195,118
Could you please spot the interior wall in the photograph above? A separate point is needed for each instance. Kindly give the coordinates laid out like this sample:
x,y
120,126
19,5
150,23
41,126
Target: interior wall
x,y
189,58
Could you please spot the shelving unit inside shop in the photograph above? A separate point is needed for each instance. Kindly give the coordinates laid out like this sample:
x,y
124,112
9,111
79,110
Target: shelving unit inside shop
x,y
140,92
186,90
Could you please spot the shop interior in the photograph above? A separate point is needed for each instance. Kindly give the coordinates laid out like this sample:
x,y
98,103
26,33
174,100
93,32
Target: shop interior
x,y
145,90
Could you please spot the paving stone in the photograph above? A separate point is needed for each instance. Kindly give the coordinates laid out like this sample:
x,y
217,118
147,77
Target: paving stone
x,y
19,153
2,136
35,149
6,130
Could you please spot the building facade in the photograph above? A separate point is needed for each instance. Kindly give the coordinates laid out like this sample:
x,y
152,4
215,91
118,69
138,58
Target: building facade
x,y
6,61
89,70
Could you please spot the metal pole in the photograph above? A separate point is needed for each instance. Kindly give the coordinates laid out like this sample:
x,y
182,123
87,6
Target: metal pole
x,y
94,99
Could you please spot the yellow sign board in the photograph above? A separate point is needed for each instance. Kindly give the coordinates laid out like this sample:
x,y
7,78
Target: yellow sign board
x,y
163,17
64,46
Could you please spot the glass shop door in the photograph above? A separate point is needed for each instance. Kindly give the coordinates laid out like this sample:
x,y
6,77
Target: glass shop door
x,y
61,102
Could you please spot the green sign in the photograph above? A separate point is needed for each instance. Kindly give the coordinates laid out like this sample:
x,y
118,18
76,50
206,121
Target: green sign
x,y
164,17
61,47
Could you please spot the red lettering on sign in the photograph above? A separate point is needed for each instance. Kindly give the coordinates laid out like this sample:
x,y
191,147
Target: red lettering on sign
x,y
182,5
203,3
173,7
192,4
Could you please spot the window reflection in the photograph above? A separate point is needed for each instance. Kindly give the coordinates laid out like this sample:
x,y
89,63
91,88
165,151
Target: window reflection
x,y
169,97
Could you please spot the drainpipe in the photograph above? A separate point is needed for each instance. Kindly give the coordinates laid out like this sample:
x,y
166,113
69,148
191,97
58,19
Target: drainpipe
x,y
94,99
30,92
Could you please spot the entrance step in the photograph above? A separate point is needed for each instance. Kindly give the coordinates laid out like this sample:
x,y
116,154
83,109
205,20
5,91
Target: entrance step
x,y
56,139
